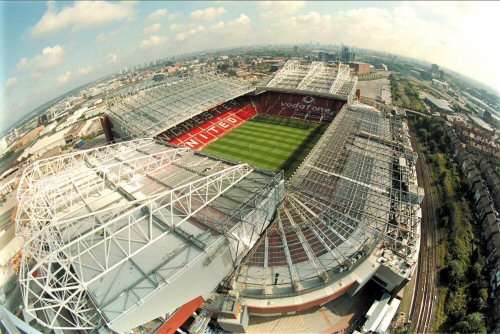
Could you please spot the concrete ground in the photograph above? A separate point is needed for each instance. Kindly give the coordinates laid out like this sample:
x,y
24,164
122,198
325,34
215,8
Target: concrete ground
x,y
406,301
334,317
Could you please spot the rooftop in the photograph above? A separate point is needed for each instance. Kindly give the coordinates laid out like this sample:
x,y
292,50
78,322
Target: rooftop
x,y
316,77
142,209
439,103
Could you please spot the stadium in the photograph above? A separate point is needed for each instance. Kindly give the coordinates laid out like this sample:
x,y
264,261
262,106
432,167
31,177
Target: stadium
x,y
286,195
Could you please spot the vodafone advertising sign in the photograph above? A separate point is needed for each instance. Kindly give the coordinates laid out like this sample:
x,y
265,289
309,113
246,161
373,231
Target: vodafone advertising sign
x,y
305,105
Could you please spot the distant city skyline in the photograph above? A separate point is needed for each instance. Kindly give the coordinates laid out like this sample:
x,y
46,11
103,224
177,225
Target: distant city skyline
x,y
51,48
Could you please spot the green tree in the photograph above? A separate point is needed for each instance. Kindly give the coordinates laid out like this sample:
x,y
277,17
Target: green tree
x,y
456,272
473,323
456,305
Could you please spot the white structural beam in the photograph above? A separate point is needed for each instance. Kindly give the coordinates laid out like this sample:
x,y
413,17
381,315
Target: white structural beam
x,y
343,75
293,272
314,219
64,257
290,66
305,244
340,176
55,192
46,167
316,67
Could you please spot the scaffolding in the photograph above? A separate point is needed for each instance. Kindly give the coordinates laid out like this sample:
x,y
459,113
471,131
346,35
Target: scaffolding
x,y
157,214
355,192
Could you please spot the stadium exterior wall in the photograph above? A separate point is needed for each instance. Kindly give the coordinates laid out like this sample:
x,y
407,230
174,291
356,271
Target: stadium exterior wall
x,y
280,310
350,282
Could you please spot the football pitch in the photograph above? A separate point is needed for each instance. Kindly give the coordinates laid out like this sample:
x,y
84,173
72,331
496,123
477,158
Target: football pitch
x,y
268,142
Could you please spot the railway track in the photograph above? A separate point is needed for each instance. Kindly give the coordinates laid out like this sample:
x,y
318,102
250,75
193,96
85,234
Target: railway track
x,y
425,297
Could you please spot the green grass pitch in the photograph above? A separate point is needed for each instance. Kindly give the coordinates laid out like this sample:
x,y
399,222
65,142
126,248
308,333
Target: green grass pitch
x,y
268,142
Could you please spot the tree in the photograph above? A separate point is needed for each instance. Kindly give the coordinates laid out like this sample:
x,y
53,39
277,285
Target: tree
x,y
479,300
476,271
473,323
456,305
223,67
456,272
422,133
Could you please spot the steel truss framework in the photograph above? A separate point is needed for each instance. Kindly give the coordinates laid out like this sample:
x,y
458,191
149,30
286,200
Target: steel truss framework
x,y
88,216
356,190
151,111
91,215
318,77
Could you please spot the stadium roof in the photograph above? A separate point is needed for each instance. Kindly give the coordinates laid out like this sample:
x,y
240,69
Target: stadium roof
x,y
317,77
113,228
150,111
355,191
98,219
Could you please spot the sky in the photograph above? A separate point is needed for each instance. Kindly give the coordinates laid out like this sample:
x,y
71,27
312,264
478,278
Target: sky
x,y
49,48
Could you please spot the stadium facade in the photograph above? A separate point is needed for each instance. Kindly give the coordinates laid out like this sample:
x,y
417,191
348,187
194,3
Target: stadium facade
x,y
120,235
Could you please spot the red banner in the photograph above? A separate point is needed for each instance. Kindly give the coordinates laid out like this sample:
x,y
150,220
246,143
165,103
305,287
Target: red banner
x,y
206,133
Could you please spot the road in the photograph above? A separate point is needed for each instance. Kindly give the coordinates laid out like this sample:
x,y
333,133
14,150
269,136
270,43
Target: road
x,y
425,298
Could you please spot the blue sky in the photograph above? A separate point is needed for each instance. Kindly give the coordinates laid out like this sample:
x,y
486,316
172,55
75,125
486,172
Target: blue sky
x,y
49,48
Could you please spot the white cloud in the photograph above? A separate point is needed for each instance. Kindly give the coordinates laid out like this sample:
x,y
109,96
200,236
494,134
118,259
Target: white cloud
x,y
175,27
181,36
228,33
207,14
152,40
111,58
270,9
36,75
51,56
449,34
23,63
218,26
81,15
233,26
85,70
152,28
64,78
106,36
241,20
11,83
158,14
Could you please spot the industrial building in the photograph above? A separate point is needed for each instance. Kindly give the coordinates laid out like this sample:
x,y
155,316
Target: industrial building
x,y
127,233
360,68
437,105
